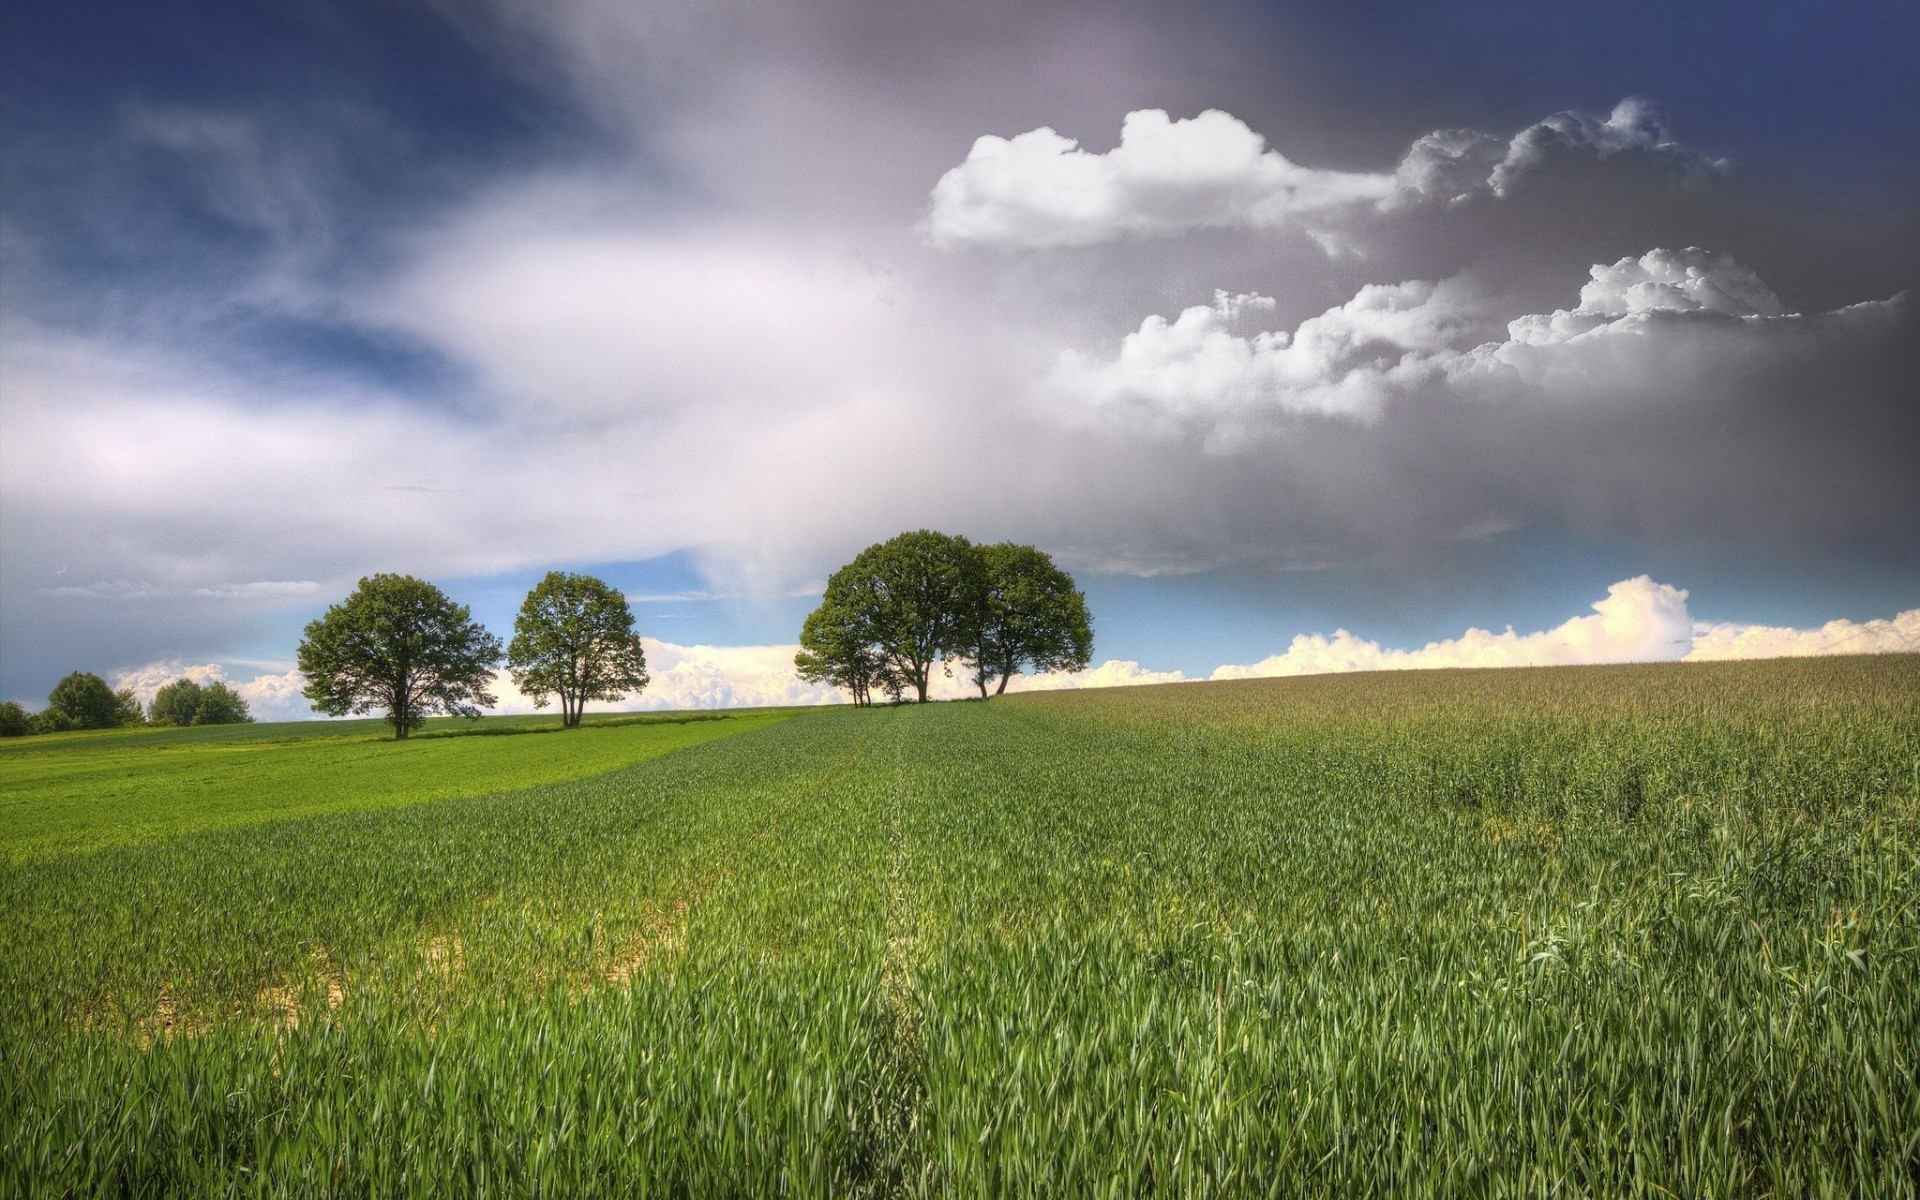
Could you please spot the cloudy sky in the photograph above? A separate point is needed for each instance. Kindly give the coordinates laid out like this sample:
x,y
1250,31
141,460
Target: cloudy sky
x,y
1309,336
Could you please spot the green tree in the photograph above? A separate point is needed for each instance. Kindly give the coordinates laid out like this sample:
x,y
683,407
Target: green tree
x,y
15,721
175,703
221,705
1028,613
84,701
403,645
574,638
909,599
837,647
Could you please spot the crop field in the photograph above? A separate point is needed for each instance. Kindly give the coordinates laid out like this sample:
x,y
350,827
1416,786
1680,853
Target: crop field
x,y
73,791
1580,932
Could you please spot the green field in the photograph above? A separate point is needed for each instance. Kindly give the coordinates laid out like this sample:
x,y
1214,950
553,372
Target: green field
x,y
74,791
1606,932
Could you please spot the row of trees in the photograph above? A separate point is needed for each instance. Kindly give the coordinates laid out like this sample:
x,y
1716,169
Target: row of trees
x,y
402,645
921,598
83,700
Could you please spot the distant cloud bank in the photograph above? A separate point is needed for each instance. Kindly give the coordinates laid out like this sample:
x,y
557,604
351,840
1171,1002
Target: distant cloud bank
x,y
1638,620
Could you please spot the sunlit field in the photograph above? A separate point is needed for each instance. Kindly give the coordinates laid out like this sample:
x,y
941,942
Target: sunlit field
x,y
78,790
1607,932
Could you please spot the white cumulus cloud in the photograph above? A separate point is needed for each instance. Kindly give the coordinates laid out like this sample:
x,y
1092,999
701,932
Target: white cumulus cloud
x,y
1896,635
1638,621
1167,176
1344,362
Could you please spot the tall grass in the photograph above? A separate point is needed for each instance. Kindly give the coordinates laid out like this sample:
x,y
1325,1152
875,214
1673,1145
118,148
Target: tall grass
x,y
1584,932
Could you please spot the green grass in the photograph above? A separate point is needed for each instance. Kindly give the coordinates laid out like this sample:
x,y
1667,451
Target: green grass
x,y
75,791
1613,932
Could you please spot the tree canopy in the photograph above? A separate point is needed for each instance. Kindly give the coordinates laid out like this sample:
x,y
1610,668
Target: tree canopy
x,y
902,605
221,705
83,700
402,645
574,639
175,703
1029,614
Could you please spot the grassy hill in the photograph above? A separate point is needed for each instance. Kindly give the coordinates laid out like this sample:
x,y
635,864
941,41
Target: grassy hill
x,y
1587,931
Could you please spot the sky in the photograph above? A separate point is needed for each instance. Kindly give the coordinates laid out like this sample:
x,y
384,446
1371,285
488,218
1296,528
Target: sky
x,y
1307,336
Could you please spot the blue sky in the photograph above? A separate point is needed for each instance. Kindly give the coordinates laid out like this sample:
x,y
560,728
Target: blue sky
x,y
1401,319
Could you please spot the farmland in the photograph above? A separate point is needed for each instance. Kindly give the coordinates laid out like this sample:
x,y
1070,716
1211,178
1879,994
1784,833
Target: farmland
x,y
1622,931
75,791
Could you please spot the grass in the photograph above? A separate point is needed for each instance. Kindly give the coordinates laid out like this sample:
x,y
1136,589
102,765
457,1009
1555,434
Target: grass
x,y
1641,931
66,792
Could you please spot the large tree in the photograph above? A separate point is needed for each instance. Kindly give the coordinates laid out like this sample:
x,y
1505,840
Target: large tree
x,y
83,700
574,639
906,601
1028,614
403,645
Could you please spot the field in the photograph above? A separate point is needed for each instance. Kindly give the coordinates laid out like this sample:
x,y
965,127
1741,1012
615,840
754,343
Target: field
x,y
76,791
1607,932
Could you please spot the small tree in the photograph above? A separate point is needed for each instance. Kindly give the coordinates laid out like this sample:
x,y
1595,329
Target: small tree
x,y
1028,613
221,705
399,644
84,701
15,721
574,638
175,703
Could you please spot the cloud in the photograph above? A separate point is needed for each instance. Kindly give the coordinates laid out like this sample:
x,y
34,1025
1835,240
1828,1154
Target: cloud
x,y
1169,176
1166,176
1638,621
1345,362
1896,635
1666,340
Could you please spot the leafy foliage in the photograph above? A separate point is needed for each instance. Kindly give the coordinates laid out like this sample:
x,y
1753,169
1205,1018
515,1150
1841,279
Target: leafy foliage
x,y
574,638
15,721
904,604
221,705
175,703
837,647
400,644
1029,614
184,702
83,700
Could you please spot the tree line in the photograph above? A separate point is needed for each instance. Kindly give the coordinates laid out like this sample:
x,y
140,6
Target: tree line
x,y
922,598
83,700
403,647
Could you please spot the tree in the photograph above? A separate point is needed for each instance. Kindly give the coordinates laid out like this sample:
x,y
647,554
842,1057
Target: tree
x,y
399,644
899,607
574,638
184,702
221,705
15,721
175,703
1028,613
837,647
84,701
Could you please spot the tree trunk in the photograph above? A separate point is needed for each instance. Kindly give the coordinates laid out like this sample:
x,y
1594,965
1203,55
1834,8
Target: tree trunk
x,y
1004,676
